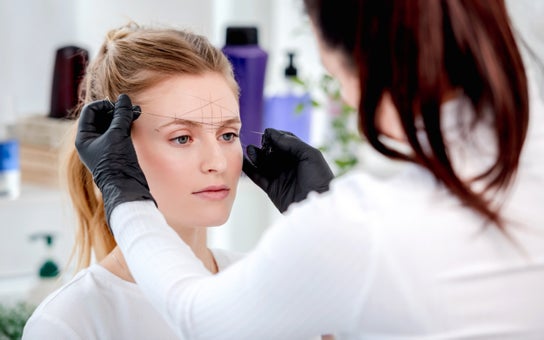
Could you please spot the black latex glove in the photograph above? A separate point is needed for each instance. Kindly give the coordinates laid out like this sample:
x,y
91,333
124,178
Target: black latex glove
x,y
286,168
105,147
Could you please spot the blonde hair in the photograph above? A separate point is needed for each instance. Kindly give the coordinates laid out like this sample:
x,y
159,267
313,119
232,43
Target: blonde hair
x,y
132,58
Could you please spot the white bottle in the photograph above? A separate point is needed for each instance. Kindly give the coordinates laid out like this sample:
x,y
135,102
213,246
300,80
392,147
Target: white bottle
x,y
49,278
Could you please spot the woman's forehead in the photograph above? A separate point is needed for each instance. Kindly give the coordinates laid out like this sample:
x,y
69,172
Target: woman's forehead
x,y
195,109
214,105
190,97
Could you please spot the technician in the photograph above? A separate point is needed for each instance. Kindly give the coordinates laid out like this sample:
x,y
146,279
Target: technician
x,y
449,246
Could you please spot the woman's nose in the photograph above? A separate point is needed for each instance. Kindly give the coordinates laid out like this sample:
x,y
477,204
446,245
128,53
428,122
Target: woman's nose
x,y
213,158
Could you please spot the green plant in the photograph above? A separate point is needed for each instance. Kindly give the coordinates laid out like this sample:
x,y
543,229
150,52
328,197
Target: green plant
x,y
13,319
344,140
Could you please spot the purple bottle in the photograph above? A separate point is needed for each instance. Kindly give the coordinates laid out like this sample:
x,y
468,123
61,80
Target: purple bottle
x,y
249,64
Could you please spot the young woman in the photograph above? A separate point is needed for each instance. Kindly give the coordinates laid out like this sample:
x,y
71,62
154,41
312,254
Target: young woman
x,y
451,246
187,142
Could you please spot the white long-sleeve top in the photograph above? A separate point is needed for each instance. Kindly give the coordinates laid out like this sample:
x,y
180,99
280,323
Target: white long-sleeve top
x,y
379,256
97,304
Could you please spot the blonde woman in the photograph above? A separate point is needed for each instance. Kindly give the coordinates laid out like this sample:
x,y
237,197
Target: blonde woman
x,y
187,143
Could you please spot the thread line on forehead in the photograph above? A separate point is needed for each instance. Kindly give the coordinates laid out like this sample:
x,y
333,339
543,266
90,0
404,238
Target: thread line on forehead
x,y
176,118
182,121
207,103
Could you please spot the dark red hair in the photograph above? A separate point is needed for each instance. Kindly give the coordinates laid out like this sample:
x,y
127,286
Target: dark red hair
x,y
417,51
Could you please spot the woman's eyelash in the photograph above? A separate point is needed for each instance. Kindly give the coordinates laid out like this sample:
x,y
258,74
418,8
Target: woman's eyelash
x,y
231,134
184,139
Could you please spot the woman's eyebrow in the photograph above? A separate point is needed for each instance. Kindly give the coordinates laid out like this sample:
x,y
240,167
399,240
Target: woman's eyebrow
x,y
231,121
193,123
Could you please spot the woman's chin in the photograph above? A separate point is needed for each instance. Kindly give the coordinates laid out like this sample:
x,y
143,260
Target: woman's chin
x,y
217,222
198,222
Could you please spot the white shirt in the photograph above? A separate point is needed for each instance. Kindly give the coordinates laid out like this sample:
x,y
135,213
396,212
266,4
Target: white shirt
x,y
376,257
96,304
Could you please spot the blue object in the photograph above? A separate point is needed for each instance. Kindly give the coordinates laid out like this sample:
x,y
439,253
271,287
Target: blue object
x,y
9,155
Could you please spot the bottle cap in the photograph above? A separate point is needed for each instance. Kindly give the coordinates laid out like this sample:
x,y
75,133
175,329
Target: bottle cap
x,y
291,70
242,35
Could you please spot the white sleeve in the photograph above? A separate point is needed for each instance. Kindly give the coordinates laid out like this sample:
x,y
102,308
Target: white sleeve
x,y
308,275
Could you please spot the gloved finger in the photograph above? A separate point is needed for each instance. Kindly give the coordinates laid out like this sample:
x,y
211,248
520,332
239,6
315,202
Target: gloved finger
x,y
253,153
254,174
277,140
123,102
94,118
285,132
136,111
123,115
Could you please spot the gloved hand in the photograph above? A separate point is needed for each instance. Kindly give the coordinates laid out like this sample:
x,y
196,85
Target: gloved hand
x,y
286,168
105,147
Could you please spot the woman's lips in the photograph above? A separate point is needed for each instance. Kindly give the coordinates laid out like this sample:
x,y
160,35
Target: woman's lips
x,y
214,193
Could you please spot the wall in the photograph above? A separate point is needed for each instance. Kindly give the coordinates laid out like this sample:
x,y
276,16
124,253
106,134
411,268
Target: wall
x,y
527,20
94,18
30,31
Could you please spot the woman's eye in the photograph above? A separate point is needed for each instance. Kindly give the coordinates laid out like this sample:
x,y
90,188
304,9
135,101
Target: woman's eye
x,y
229,136
181,139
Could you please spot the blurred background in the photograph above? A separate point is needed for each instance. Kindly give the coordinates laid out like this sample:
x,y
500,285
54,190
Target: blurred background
x,y
37,224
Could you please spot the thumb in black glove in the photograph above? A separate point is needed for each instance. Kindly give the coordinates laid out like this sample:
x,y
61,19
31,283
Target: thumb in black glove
x,y
286,168
104,145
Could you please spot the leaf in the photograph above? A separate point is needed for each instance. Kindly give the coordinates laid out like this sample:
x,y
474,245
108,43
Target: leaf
x,y
298,81
299,108
346,163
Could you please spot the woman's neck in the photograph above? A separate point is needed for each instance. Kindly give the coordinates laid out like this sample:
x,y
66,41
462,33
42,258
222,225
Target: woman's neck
x,y
195,238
